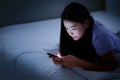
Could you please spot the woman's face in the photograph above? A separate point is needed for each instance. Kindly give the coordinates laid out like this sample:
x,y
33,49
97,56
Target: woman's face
x,y
75,29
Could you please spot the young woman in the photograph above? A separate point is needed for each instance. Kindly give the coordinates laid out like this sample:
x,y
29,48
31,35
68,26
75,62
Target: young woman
x,y
84,42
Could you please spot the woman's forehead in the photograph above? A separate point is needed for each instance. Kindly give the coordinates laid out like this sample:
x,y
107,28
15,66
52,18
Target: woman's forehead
x,y
69,24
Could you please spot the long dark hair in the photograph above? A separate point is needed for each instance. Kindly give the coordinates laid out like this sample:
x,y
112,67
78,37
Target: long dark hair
x,y
83,47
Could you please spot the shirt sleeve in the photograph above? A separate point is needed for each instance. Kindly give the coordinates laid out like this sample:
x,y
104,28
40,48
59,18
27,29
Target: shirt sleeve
x,y
103,44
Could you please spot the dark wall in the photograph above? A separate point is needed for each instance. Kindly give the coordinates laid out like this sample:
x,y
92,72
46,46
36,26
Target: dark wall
x,y
21,11
113,7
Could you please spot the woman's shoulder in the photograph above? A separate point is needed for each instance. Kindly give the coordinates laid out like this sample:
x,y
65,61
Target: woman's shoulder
x,y
100,30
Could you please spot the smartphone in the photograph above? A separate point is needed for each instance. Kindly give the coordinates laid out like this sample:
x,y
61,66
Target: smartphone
x,y
51,55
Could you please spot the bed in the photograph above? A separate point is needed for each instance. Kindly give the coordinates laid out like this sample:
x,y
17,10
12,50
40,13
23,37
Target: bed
x,y
23,49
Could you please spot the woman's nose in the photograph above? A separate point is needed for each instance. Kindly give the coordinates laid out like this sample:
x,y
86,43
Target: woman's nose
x,y
71,33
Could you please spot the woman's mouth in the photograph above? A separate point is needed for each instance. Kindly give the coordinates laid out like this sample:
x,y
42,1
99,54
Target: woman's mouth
x,y
74,37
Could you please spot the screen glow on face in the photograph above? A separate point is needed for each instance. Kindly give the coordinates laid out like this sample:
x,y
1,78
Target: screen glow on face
x,y
74,29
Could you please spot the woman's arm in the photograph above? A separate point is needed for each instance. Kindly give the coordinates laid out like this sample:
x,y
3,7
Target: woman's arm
x,y
108,62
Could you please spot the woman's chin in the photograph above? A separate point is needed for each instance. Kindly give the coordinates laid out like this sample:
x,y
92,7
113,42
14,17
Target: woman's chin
x,y
76,39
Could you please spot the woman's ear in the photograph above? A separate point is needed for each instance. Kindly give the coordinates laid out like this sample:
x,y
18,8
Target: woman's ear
x,y
86,23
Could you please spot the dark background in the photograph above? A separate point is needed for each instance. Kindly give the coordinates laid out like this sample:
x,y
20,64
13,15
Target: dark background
x,y
22,11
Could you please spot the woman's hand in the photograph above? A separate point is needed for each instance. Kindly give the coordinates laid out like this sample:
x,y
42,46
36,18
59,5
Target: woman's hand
x,y
56,59
67,61
108,62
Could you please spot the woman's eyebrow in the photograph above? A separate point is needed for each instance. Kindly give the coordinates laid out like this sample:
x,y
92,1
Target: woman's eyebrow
x,y
73,26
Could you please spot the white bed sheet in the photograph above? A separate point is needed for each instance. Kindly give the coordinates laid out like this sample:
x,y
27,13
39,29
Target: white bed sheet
x,y
22,49
19,38
40,67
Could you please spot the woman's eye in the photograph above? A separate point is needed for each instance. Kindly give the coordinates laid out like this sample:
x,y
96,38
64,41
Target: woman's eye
x,y
74,28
